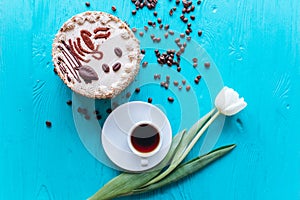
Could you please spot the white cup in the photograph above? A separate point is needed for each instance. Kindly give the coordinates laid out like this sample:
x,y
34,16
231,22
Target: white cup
x,y
142,140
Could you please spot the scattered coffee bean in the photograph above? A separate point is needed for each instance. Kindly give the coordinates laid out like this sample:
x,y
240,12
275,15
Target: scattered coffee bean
x,y
144,64
182,35
133,12
171,32
171,12
141,34
183,82
198,77
168,78
199,33
177,2
199,2
128,94
149,100
192,17
116,67
113,8
108,110
69,102
88,4
196,80
175,83
195,60
155,13
207,64
146,28
178,69
166,35
180,87
137,90
195,64
188,88
159,20
48,124
177,40
167,27
96,112
188,38
185,20
55,71
143,51
98,117
171,99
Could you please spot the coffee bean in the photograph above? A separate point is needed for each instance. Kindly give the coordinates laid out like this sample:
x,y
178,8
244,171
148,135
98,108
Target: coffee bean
x,y
159,20
143,51
192,17
113,8
87,4
175,83
171,32
108,111
149,100
155,13
133,12
195,64
199,33
98,117
171,99
48,124
105,68
69,102
196,80
183,82
199,77
137,90
144,64
128,94
188,88
134,30
118,52
207,64
116,66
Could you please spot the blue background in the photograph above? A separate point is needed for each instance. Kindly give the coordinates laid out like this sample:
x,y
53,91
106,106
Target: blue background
x,y
255,45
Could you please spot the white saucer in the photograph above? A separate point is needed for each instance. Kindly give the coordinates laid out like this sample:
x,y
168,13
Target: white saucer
x,y
115,135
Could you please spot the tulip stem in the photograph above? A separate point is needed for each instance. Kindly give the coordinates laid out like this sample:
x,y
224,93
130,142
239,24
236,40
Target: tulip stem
x,y
199,134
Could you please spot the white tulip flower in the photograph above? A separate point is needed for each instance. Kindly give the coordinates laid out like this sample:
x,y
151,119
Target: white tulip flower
x,y
228,102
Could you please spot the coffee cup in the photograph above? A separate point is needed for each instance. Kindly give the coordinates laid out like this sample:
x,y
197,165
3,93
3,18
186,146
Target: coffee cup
x,y
144,139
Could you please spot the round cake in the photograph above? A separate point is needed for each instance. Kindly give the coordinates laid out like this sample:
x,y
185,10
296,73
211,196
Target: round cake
x,y
96,54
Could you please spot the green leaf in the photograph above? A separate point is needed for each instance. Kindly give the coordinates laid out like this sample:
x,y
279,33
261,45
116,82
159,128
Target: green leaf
x,y
187,168
126,182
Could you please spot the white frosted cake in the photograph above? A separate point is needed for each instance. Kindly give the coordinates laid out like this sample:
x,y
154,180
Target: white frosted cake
x,y
96,54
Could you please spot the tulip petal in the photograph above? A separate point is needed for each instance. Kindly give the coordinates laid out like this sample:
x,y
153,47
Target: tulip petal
x,y
235,108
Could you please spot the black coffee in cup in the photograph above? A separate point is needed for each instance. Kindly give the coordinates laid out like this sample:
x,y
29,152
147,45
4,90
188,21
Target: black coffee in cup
x,y
145,138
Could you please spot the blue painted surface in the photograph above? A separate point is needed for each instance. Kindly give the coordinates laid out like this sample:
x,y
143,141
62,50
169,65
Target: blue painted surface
x,y
255,45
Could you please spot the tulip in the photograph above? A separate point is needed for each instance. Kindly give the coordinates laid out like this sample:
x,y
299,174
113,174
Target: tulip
x,y
228,102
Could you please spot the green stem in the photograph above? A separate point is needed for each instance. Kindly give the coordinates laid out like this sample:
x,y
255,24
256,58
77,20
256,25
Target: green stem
x,y
199,134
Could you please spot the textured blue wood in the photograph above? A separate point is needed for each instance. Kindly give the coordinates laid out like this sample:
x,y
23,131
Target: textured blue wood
x,y
255,44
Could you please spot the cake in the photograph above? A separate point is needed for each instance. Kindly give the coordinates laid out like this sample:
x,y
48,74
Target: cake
x,y
96,54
